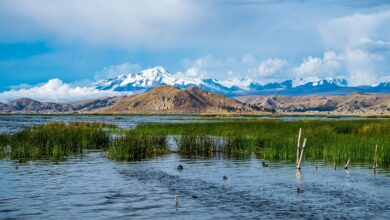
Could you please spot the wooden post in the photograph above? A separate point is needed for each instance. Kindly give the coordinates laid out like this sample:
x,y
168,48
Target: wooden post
x,y
334,165
301,155
299,142
177,200
375,164
346,165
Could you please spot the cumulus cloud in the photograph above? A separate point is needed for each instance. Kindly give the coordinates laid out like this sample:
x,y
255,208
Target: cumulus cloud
x,y
56,91
362,45
345,31
330,65
219,68
115,70
270,70
125,23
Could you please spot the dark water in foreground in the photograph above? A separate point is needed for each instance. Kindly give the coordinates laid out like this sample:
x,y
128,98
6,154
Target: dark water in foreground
x,y
93,187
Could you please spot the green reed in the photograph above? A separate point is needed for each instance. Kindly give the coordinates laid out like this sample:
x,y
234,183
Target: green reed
x,y
133,146
336,140
58,139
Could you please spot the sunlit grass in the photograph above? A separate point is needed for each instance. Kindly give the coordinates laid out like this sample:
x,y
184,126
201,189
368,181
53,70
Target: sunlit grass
x,y
277,140
268,139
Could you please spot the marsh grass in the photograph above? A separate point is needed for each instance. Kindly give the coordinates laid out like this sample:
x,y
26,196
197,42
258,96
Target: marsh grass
x,y
57,139
270,139
276,140
133,146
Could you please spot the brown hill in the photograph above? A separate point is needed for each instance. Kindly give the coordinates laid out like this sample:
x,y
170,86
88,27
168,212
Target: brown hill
x,y
171,100
355,103
30,106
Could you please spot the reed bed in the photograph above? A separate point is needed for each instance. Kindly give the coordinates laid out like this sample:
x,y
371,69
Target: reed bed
x,y
333,141
57,139
276,140
133,146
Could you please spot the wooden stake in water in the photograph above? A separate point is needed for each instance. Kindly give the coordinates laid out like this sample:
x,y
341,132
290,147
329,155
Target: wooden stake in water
x,y
301,155
177,200
346,165
375,164
299,142
334,165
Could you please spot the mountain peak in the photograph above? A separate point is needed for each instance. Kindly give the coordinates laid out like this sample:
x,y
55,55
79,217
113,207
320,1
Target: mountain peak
x,y
150,78
169,99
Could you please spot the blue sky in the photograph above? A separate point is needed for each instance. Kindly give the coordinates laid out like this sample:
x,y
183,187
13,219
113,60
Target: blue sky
x,y
263,40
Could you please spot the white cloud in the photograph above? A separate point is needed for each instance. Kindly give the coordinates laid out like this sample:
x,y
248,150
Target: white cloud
x,y
330,65
115,70
271,66
342,32
56,91
270,70
125,23
362,45
220,68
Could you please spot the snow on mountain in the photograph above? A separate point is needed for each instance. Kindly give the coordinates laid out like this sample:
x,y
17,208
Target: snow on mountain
x,y
315,81
153,77
145,79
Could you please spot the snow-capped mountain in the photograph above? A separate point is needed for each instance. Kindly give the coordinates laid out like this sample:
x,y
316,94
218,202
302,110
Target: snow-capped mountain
x,y
157,76
151,78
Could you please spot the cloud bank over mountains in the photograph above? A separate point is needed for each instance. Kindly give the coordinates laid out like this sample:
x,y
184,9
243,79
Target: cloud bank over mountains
x,y
57,91
255,40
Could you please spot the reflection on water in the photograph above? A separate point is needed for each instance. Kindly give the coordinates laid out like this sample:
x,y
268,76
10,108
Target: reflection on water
x,y
91,186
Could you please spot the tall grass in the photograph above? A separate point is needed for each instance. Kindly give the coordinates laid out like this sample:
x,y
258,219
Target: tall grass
x,y
273,139
336,140
4,141
58,139
132,146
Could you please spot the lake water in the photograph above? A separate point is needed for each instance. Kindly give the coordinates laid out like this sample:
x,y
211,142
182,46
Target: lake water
x,y
94,187
90,186
13,123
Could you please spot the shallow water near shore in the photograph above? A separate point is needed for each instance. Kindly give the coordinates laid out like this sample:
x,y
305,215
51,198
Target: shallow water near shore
x,y
91,186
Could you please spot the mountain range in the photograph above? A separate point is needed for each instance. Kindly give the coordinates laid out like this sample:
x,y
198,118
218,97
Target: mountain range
x,y
172,100
194,100
157,76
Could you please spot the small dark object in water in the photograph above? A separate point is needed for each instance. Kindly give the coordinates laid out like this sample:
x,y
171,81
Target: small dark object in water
x,y
224,177
177,200
194,196
180,167
21,161
264,164
16,167
299,190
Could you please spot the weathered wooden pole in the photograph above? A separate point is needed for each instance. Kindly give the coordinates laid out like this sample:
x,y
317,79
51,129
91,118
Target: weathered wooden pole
x,y
375,164
298,145
334,165
301,155
346,165
177,200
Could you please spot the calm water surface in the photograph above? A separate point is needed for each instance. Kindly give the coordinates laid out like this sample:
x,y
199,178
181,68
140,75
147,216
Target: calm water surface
x,y
91,186
13,123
